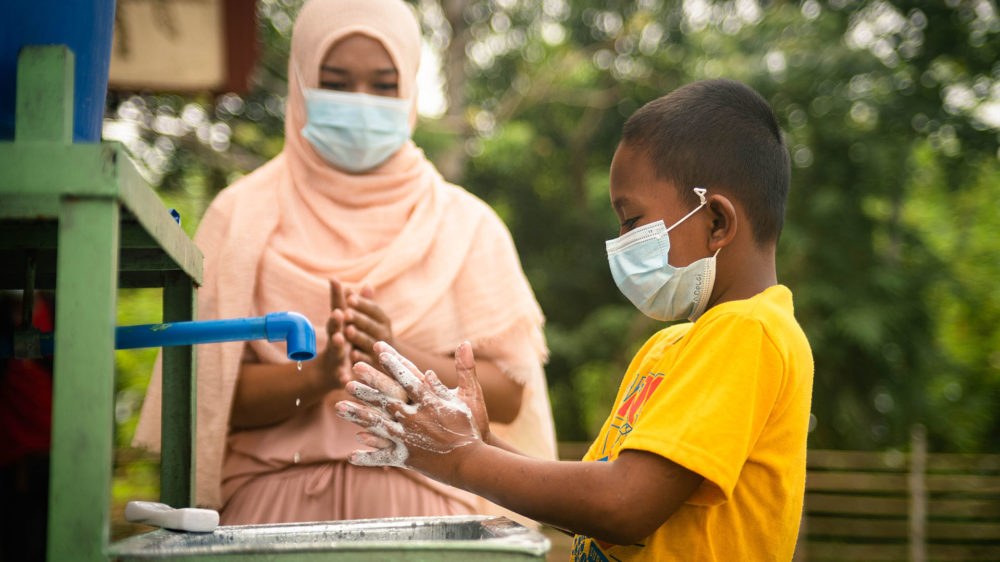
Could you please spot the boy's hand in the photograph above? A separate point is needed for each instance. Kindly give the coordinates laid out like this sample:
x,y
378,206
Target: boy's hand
x,y
334,365
366,324
469,389
426,434
385,386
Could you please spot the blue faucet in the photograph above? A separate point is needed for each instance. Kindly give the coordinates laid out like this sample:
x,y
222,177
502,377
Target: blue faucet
x,y
292,327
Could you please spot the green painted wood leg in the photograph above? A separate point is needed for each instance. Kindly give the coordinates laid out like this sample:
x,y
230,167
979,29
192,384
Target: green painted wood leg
x,y
177,458
83,382
45,94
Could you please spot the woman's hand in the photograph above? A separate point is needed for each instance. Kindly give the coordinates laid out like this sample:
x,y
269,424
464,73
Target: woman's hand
x,y
333,366
365,324
431,433
268,393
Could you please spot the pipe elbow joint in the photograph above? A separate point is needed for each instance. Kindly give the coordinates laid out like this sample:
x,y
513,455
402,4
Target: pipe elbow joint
x,y
297,332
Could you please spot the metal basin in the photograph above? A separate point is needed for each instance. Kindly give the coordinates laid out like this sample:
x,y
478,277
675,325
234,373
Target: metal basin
x,y
476,537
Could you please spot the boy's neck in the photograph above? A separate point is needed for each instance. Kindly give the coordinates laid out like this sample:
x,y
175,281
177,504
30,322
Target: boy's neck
x,y
743,275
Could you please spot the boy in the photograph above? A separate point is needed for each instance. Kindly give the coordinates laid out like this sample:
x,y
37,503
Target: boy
x,y
703,455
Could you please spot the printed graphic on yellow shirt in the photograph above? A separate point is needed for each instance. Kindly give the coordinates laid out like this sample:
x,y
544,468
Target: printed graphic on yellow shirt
x,y
628,412
625,417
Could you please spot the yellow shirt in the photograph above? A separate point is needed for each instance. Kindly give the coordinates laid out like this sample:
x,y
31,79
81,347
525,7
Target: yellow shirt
x,y
727,397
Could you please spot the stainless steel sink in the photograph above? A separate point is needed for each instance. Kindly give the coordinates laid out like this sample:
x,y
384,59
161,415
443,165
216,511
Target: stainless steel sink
x,y
406,538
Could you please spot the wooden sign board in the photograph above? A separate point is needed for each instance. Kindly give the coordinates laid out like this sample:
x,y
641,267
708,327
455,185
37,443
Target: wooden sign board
x,y
183,45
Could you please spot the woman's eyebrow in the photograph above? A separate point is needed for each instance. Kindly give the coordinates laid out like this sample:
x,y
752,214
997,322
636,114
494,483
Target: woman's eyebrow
x,y
338,70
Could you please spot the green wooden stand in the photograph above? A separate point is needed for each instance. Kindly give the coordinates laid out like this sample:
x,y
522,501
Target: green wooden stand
x,y
80,219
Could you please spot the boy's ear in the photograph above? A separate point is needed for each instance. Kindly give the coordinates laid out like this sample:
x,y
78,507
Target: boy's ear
x,y
724,224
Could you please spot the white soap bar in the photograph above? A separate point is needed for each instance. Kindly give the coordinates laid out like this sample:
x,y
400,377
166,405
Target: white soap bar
x,y
178,519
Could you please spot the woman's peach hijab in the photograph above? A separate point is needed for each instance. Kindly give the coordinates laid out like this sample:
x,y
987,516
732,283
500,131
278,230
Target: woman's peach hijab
x,y
441,262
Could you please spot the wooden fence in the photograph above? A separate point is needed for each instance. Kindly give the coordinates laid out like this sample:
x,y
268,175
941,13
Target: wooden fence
x,y
893,506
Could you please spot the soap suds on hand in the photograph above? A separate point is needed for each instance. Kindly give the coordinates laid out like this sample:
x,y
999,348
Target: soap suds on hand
x,y
395,449
395,455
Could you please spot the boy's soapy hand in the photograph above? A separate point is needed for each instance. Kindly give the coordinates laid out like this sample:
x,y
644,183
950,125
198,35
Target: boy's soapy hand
x,y
429,432
470,391
334,364
365,324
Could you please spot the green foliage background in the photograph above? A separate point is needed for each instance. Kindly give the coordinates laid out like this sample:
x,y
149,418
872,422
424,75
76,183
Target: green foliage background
x,y
891,111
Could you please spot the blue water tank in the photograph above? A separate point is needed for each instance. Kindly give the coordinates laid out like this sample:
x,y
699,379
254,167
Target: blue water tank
x,y
86,27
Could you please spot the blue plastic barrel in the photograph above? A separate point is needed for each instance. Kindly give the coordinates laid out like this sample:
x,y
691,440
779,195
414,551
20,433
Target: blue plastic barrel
x,y
86,27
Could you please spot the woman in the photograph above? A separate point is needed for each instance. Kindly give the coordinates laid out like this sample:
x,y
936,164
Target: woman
x,y
353,227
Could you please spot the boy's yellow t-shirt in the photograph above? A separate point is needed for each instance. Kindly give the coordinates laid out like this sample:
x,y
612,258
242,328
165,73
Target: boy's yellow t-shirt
x,y
727,397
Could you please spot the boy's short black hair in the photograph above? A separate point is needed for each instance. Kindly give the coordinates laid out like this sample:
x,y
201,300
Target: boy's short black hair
x,y
718,134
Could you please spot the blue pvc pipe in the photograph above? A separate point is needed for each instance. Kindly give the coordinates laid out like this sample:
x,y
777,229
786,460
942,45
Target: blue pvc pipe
x,y
292,327
188,333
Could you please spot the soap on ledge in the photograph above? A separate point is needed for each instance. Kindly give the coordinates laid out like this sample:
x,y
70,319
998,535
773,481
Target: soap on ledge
x,y
191,519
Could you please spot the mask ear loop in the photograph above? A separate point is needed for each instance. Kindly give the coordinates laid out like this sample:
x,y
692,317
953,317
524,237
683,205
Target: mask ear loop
x,y
298,77
302,89
700,192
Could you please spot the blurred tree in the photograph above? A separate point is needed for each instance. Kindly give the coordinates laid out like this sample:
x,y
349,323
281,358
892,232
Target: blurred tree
x,y
891,111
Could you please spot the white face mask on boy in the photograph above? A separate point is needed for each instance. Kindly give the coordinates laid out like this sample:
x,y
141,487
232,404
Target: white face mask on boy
x,y
638,261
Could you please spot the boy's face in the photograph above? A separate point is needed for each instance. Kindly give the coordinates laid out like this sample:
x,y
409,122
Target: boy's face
x,y
639,197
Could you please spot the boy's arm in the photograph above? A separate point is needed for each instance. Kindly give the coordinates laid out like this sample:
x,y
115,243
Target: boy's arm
x,y
443,433
621,501
501,444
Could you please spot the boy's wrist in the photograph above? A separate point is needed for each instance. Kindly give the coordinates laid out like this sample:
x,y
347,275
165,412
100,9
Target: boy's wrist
x,y
465,464
490,439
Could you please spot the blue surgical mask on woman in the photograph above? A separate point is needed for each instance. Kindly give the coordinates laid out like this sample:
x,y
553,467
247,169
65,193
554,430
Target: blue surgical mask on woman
x,y
638,261
355,132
